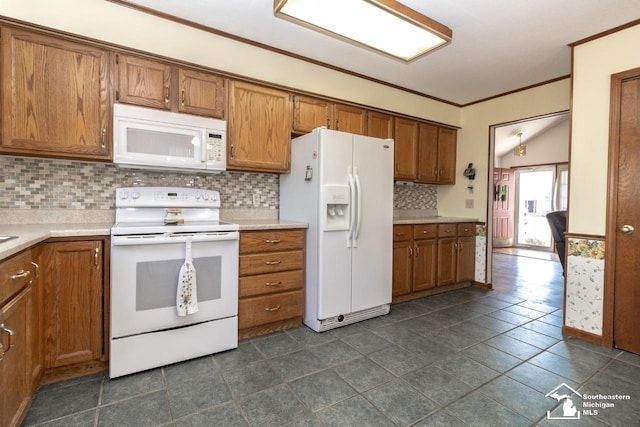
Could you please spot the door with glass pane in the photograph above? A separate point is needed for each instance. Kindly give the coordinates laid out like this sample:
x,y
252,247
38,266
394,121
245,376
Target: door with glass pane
x,y
535,198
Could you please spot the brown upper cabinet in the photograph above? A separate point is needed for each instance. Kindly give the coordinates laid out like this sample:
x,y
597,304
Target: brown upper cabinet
x,y
405,149
310,113
55,101
379,125
157,84
259,128
350,119
436,154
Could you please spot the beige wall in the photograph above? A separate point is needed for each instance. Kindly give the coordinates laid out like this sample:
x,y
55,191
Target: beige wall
x,y
593,65
473,141
109,22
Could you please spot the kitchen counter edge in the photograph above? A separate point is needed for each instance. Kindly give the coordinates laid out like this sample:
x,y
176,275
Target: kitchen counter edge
x,y
431,220
267,224
29,235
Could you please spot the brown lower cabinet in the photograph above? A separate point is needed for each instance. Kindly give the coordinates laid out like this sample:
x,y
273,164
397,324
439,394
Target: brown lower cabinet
x,y
72,277
271,286
430,256
20,358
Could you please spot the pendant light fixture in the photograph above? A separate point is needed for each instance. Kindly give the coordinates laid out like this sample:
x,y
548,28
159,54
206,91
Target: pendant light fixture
x,y
520,149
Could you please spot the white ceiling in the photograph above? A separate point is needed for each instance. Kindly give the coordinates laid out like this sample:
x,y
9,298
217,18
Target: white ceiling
x,y
498,45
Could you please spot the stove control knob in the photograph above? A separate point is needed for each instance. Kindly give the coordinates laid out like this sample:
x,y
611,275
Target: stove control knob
x,y
135,195
205,196
124,195
198,196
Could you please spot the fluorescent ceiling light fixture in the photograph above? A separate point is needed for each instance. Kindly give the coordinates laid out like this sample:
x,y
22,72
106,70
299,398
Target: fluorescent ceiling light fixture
x,y
385,26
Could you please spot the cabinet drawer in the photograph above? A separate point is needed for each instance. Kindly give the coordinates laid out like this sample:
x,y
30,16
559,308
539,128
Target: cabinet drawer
x,y
269,308
402,232
447,230
268,241
15,274
425,231
271,262
466,229
269,283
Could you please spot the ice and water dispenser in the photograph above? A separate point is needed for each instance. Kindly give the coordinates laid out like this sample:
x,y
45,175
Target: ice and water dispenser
x,y
336,207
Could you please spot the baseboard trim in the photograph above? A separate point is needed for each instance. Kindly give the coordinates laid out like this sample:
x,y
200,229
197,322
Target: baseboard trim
x,y
485,286
585,336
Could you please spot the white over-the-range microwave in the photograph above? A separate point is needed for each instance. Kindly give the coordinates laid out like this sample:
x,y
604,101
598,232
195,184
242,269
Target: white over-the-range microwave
x,y
145,138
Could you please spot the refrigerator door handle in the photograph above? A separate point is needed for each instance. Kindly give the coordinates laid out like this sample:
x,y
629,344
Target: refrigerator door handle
x,y
352,216
358,209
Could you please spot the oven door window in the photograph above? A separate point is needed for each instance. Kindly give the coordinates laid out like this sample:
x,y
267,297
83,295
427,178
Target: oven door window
x,y
153,291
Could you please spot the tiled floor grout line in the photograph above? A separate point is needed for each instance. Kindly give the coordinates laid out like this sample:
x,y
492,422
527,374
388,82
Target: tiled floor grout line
x,y
411,311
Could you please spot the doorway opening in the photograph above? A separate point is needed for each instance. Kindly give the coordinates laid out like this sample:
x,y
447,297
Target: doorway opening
x,y
524,189
539,190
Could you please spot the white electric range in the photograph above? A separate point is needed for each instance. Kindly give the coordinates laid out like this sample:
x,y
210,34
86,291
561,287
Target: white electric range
x,y
148,248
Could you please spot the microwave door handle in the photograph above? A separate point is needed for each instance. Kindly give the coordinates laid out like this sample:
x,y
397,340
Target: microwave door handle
x,y
205,146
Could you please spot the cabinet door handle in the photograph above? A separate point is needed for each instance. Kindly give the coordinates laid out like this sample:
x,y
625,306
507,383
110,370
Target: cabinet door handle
x,y
410,252
37,269
273,283
103,135
273,241
276,308
417,251
232,154
10,335
20,274
1,352
166,94
95,258
273,262
182,97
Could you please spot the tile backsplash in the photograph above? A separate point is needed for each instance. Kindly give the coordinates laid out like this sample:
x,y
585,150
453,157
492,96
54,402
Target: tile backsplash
x,y
37,183
407,195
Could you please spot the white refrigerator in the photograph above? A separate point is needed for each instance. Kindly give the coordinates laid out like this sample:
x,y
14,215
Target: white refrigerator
x,y
342,185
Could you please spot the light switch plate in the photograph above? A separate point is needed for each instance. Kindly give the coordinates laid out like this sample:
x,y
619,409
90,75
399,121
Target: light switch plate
x,y
468,203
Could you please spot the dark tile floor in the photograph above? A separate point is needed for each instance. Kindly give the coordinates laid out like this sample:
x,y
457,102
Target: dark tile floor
x,y
469,357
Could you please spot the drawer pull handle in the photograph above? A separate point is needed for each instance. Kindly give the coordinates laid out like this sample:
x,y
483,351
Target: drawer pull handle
x,y
399,234
425,232
20,274
273,241
273,262
276,308
273,283
447,231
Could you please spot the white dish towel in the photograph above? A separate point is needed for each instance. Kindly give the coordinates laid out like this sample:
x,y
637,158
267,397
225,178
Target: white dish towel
x,y
187,295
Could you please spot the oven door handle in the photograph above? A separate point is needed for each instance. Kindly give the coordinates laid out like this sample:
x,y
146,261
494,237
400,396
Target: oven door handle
x,y
173,238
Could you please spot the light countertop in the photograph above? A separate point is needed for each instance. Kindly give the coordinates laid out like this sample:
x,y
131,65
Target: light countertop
x,y
267,224
31,234
425,216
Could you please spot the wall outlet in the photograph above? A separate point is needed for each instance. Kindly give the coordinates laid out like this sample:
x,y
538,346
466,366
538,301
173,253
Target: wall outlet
x,y
468,203
256,198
